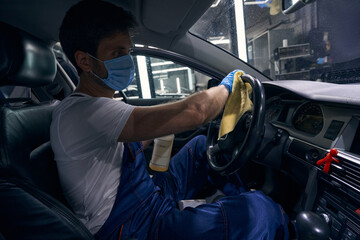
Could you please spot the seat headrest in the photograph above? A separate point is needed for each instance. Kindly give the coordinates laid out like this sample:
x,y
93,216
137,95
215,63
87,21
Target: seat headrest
x,y
24,60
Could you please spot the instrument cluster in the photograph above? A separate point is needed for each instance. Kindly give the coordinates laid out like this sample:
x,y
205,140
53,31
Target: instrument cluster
x,y
306,117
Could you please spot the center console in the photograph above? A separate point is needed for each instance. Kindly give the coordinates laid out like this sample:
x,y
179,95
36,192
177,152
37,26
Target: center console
x,y
339,204
335,196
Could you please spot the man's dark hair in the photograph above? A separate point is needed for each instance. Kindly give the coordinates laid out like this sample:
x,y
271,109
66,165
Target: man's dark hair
x,y
88,22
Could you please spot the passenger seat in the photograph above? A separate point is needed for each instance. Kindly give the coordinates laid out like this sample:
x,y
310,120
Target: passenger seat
x,y
31,202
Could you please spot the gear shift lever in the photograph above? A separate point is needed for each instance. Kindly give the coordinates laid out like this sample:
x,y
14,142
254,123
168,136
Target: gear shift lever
x,y
310,226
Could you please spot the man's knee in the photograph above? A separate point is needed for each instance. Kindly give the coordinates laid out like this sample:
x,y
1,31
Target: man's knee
x,y
198,146
255,211
265,206
199,142
273,217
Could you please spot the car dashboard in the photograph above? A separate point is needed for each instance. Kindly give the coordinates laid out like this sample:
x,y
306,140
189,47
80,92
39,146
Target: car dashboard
x,y
316,117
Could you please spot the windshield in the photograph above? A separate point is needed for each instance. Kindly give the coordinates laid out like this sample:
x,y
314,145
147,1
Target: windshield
x,y
318,42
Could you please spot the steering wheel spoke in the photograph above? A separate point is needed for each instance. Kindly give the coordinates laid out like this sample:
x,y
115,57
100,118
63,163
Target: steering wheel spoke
x,y
215,149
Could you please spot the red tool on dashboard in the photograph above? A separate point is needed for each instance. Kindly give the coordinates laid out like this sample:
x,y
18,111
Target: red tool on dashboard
x,y
330,157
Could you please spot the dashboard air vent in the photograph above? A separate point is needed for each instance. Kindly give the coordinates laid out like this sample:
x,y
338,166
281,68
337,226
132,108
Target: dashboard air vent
x,y
351,174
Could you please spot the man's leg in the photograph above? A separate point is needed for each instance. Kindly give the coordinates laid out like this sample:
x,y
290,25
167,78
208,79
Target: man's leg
x,y
188,171
250,215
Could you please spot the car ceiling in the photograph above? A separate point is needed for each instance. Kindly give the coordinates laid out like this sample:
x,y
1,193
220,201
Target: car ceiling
x,y
162,24
160,20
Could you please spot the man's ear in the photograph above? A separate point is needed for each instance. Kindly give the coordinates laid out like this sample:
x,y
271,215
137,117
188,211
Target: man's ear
x,y
83,60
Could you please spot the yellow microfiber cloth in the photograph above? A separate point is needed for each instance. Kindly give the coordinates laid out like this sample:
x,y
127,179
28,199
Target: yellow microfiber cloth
x,y
237,104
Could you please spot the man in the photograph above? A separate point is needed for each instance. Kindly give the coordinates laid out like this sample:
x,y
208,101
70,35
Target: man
x,y
104,179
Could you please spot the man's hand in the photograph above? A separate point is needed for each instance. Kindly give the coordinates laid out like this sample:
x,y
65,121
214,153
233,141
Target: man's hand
x,y
228,80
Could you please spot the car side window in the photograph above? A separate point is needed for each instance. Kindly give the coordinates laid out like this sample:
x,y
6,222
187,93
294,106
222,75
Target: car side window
x,y
157,78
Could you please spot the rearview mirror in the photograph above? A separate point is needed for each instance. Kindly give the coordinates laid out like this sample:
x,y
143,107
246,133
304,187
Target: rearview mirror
x,y
290,6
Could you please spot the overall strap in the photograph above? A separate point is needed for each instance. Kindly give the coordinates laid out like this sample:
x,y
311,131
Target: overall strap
x,y
134,189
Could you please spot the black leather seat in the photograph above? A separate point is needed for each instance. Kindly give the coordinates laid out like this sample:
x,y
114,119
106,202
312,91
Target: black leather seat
x,y
31,203
68,68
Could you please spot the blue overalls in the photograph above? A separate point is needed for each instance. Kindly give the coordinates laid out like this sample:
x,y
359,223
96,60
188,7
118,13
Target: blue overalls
x,y
146,208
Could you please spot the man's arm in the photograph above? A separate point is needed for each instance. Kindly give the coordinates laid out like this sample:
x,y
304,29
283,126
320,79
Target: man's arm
x,y
155,121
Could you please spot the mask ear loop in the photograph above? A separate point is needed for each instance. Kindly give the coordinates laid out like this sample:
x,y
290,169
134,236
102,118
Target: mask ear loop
x,y
94,74
94,57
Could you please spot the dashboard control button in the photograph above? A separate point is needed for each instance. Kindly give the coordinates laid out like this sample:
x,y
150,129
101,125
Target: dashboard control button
x,y
336,224
350,234
323,202
319,210
334,232
341,216
313,155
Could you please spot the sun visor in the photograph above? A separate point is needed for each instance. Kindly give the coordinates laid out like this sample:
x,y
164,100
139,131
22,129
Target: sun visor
x,y
172,15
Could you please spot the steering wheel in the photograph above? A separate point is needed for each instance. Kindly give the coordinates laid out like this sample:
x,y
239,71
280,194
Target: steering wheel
x,y
232,151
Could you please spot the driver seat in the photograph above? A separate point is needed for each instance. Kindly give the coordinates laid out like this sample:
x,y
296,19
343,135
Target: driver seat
x,y
31,202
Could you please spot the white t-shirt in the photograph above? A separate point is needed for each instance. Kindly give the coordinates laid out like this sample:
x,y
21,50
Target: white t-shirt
x,y
84,133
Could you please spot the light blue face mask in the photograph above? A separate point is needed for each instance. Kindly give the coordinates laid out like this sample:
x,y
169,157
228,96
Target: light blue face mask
x,y
120,72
